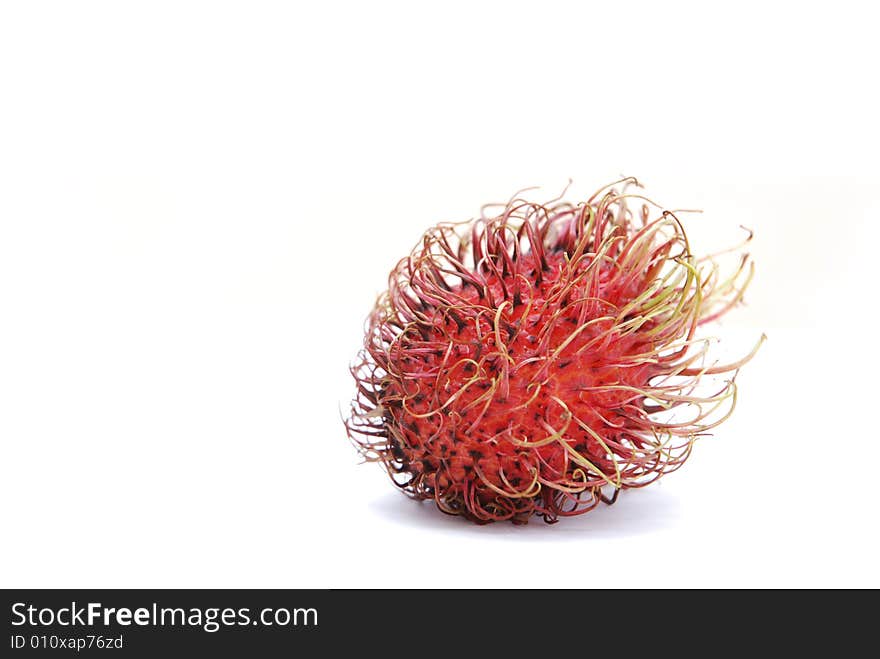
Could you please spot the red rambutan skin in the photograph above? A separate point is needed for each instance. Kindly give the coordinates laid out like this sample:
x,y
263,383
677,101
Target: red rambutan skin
x,y
522,364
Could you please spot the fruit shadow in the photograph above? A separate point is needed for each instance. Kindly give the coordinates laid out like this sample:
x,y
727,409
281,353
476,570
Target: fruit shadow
x,y
636,512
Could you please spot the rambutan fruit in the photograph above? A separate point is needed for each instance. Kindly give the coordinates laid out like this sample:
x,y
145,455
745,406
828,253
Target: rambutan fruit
x,y
526,363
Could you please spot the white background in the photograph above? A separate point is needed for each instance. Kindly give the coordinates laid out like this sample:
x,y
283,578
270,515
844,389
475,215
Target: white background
x,y
200,201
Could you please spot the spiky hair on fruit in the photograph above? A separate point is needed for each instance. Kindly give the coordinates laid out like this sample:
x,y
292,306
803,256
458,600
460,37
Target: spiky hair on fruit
x,y
529,362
